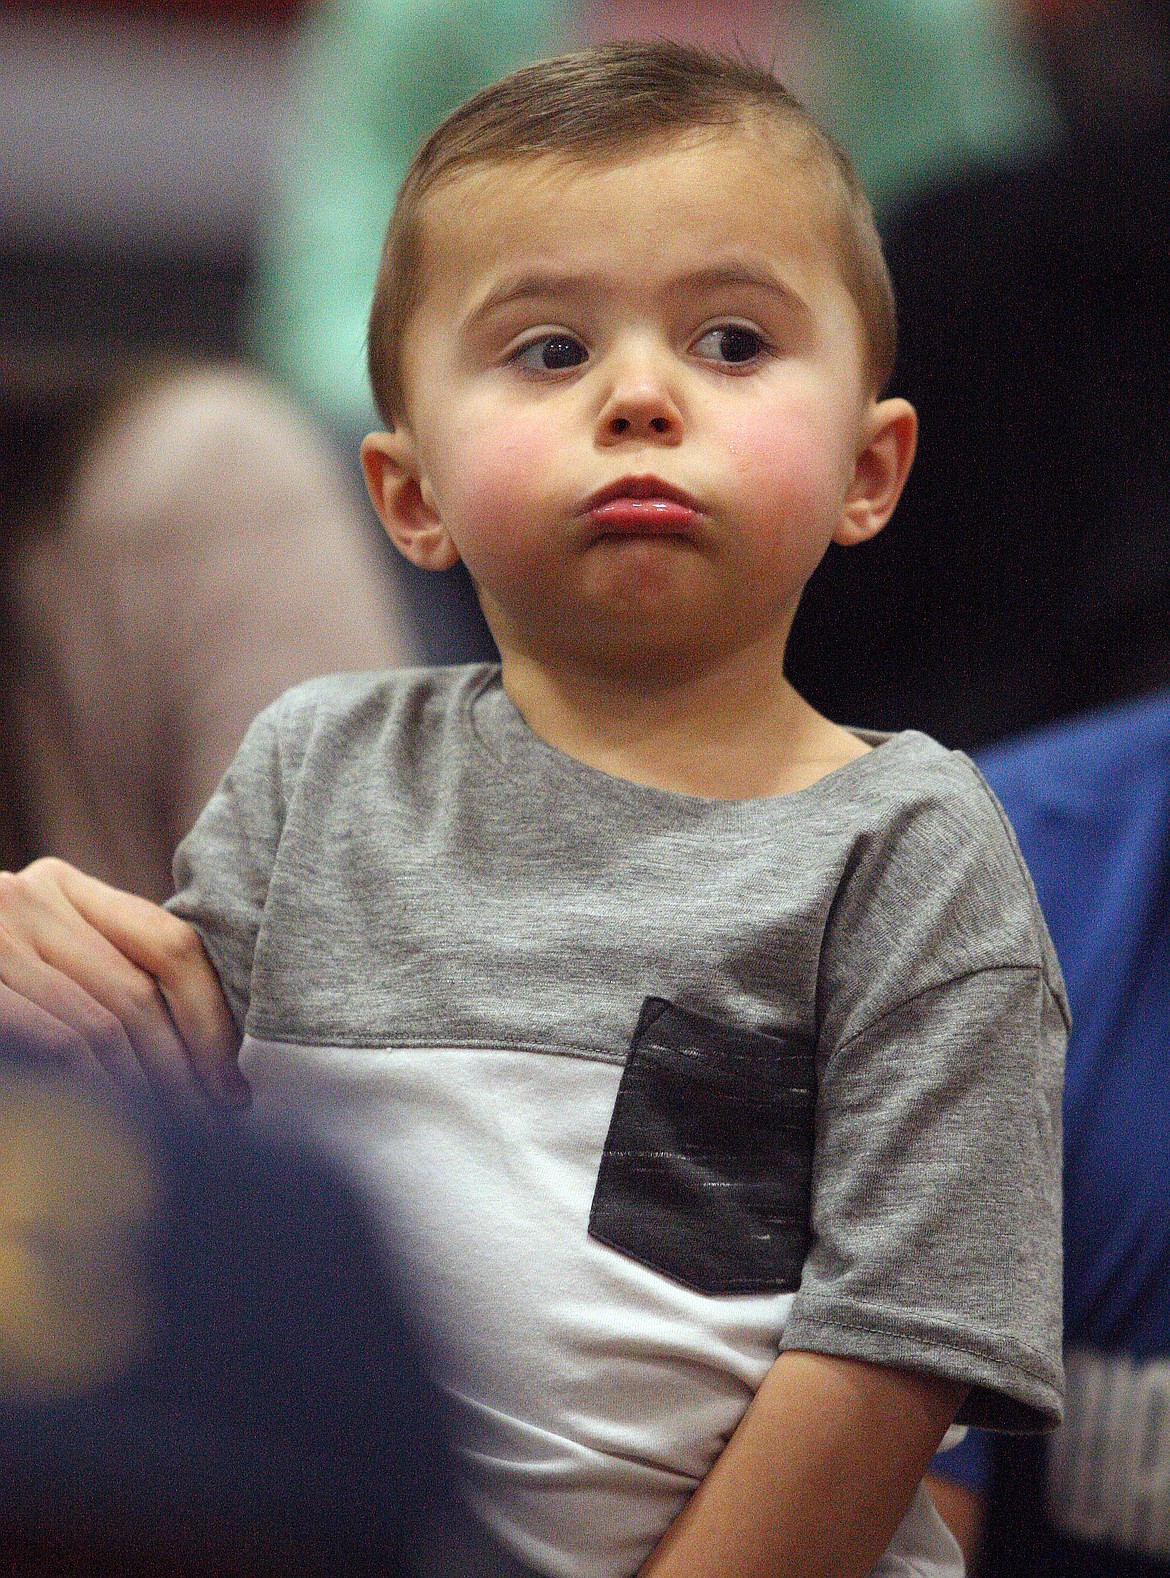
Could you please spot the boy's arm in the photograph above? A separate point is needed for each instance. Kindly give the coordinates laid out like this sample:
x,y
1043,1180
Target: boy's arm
x,y
817,1476
961,1509
958,1481
90,975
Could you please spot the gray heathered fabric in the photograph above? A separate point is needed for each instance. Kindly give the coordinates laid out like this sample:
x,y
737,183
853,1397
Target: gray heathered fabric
x,y
396,860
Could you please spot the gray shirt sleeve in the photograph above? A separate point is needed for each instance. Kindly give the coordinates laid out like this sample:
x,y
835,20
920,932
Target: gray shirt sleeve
x,y
936,1190
223,868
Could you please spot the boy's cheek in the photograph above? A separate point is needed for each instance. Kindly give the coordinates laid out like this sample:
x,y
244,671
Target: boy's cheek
x,y
785,462
788,493
500,476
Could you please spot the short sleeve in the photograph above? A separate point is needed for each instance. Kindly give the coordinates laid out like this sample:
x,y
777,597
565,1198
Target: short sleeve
x,y
222,869
936,1208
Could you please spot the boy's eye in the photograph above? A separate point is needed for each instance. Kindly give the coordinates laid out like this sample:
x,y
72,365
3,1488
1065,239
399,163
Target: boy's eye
x,y
551,353
733,344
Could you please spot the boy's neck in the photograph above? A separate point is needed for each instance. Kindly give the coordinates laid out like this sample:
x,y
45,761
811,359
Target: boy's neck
x,y
736,731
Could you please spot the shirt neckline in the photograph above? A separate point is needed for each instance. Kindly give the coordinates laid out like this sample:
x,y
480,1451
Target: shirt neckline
x,y
512,742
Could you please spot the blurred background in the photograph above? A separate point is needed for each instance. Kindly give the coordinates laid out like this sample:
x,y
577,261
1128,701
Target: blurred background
x,y
192,199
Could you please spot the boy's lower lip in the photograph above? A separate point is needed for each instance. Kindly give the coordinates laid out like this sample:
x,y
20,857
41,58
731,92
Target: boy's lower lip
x,y
643,517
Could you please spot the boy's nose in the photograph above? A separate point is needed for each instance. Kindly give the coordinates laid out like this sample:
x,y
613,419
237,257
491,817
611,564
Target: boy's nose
x,y
640,407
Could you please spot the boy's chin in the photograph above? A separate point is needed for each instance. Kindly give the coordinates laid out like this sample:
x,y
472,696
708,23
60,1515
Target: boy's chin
x,y
640,629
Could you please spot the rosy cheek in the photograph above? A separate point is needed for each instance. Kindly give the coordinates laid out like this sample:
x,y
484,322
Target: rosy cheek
x,y
754,447
781,459
497,477
788,479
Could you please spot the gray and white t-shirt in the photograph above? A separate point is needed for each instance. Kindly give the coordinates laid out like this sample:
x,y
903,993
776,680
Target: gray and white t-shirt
x,y
649,1087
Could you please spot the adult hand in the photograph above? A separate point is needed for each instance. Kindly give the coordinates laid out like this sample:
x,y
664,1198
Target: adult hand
x,y
95,979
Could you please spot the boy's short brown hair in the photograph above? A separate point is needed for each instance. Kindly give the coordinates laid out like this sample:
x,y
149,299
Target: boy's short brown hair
x,y
596,105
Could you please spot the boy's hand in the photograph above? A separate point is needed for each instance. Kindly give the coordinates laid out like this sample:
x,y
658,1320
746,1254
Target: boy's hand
x,y
94,978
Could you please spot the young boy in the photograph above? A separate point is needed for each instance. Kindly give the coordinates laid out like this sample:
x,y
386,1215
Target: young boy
x,y
703,1053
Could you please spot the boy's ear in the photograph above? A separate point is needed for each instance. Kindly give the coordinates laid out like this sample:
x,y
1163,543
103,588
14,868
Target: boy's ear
x,y
886,453
404,501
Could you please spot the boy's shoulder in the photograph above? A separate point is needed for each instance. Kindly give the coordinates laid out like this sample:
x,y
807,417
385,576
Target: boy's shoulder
x,y
333,700
929,801
936,872
335,715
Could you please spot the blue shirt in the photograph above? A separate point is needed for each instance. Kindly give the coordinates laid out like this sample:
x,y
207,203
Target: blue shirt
x,y
1090,804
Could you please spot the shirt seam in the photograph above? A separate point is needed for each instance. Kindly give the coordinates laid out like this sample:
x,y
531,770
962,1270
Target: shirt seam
x,y
691,805
400,1044
938,986
1022,868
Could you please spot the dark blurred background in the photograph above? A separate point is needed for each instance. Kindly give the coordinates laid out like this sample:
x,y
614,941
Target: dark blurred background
x,y
137,144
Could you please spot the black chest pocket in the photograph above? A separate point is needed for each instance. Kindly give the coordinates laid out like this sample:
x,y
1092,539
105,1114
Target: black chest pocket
x,y
707,1169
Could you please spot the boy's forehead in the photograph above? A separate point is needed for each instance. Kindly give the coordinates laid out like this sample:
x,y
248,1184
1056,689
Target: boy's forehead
x,y
759,187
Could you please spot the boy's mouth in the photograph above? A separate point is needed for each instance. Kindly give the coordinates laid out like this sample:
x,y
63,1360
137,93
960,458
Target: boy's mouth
x,y
642,507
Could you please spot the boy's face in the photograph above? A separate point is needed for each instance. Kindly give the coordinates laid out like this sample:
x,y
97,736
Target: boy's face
x,y
637,395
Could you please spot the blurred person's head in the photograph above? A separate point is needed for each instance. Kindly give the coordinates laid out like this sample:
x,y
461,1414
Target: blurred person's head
x,y
205,1363
633,268
1107,60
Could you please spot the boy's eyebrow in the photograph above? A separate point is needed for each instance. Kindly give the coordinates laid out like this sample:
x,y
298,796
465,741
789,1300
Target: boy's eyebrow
x,y
529,286
525,287
758,276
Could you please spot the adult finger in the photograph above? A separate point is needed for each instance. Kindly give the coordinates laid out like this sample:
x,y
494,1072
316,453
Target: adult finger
x,y
62,1040
56,958
171,955
108,1002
